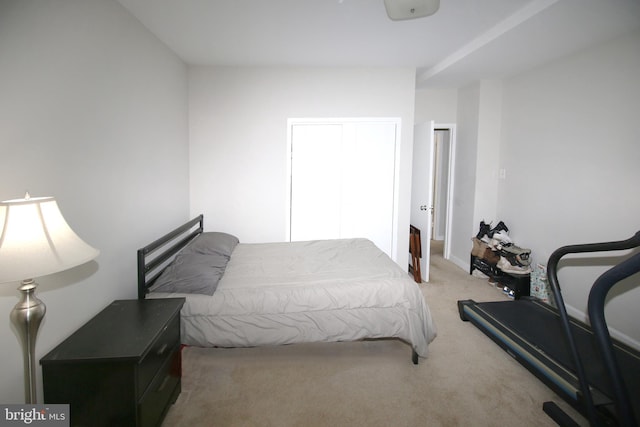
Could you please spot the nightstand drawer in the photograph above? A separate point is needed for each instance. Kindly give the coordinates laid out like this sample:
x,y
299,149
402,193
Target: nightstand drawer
x,y
163,390
159,353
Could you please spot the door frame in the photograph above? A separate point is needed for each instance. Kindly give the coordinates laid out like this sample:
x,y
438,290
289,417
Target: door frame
x,y
451,127
341,120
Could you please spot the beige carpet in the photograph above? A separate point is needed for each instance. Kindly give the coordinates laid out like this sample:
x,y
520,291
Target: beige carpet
x,y
467,380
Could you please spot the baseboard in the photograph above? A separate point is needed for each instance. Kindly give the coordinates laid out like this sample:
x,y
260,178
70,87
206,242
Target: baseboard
x,y
460,263
624,338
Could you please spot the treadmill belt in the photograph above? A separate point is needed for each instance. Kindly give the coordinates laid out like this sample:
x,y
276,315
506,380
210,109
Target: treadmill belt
x,y
539,325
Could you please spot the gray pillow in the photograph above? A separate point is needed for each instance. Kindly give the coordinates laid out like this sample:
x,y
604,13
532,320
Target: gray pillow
x,y
192,274
213,242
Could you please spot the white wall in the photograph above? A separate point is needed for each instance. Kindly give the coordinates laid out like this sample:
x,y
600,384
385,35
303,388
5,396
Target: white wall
x,y
477,153
488,153
464,174
93,111
238,137
439,105
571,150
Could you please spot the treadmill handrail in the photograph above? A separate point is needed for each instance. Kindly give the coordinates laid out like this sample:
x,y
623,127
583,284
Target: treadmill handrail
x,y
552,275
596,302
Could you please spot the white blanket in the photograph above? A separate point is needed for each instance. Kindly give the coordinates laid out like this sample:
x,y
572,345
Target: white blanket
x,y
326,290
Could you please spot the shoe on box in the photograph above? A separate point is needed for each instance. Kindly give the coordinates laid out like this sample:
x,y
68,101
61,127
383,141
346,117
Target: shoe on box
x,y
507,267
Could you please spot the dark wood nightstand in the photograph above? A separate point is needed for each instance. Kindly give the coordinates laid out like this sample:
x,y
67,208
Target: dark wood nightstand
x,y
122,368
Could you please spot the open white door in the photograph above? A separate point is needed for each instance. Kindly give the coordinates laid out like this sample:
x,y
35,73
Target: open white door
x,y
422,189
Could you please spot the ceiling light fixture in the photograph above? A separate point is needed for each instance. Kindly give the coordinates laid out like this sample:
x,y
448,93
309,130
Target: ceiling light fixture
x,y
399,10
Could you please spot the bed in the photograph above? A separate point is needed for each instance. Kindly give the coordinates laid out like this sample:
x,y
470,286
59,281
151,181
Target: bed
x,y
246,295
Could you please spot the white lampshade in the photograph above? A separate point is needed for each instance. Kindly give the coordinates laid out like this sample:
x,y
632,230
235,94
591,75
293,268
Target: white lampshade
x,y
35,240
409,9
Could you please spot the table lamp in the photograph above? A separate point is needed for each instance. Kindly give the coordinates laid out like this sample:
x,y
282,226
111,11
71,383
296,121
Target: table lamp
x,y
35,240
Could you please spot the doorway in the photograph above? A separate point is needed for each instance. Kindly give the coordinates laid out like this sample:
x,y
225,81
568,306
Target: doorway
x,y
443,173
442,145
432,188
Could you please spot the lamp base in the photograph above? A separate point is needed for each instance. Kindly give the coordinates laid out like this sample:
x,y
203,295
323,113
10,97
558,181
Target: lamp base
x,y
26,317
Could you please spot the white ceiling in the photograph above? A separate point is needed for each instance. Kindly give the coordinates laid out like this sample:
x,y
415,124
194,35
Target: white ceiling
x,y
465,40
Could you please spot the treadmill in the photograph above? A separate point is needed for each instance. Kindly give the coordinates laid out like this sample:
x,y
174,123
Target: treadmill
x,y
596,374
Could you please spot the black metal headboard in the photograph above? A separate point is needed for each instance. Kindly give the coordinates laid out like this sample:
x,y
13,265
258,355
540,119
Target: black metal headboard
x,y
151,264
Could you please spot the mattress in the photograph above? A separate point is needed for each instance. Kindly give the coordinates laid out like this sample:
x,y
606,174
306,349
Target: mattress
x,y
325,290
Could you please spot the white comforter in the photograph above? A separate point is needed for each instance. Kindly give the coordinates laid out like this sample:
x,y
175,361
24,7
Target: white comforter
x,y
327,290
